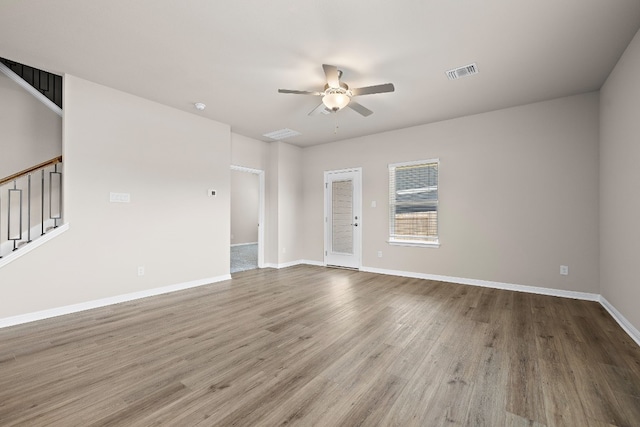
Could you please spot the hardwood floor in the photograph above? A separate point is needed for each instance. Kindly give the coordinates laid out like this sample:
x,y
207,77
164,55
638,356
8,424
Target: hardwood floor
x,y
316,346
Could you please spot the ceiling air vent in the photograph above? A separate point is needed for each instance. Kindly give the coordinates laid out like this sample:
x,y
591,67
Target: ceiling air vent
x,y
281,134
464,71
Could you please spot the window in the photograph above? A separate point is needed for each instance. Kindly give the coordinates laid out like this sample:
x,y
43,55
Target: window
x,y
413,203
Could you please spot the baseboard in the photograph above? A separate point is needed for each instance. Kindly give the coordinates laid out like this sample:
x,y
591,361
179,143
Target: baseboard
x,y
33,245
244,244
488,284
283,265
622,321
75,308
293,263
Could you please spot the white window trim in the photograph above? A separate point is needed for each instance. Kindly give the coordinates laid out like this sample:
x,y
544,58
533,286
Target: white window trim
x,y
413,243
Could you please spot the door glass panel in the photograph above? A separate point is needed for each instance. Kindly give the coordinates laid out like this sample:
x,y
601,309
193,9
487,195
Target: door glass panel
x,y
342,214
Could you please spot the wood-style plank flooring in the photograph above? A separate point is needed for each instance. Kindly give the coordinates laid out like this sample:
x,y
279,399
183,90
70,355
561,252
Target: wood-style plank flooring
x,y
316,346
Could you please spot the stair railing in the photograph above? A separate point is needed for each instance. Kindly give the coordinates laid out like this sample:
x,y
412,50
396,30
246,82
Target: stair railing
x,y
24,204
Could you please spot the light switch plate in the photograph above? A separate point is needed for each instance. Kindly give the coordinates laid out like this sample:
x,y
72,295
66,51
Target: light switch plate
x,y
119,197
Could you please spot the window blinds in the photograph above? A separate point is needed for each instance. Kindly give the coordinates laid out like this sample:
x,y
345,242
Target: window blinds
x,y
413,202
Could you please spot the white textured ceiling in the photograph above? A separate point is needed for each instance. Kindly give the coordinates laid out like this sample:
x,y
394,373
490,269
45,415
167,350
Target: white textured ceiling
x,y
234,55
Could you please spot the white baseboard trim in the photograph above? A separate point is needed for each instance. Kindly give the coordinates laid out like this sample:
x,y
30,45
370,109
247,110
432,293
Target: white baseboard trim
x,y
488,284
244,244
293,263
88,305
33,245
310,262
283,265
622,321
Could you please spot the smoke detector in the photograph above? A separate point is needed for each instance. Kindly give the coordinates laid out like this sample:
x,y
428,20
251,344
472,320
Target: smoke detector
x,y
464,71
199,106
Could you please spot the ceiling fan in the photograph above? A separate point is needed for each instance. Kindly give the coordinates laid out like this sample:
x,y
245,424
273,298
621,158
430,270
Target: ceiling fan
x,y
337,95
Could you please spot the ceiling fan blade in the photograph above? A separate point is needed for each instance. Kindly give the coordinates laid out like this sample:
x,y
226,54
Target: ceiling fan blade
x,y
320,109
359,108
387,87
299,92
331,72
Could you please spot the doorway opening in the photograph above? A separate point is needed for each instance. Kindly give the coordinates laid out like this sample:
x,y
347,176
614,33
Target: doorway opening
x,y
247,219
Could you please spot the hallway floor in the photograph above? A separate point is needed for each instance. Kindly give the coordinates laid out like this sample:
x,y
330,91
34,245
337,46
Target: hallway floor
x,y
244,257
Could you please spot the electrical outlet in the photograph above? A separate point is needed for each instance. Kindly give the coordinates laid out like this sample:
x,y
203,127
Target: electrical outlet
x,y
379,254
374,204
564,270
140,271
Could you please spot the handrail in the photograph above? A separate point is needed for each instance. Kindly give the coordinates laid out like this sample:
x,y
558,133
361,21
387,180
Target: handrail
x,y
31,169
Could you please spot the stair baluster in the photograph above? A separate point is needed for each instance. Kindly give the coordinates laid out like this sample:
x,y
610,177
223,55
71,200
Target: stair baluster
x,y
14,220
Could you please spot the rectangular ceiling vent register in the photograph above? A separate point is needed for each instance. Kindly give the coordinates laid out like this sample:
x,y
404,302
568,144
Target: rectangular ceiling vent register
x,y
464,71
281,134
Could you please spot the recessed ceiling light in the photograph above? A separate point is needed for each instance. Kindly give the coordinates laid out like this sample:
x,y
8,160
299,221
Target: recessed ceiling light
x,y
200,106
282,134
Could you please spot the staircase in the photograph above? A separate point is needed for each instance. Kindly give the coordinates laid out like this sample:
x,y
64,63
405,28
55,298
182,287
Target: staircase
x,y
31,200
48,84
30,205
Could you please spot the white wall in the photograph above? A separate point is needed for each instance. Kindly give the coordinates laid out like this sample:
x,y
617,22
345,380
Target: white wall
x,y
245,197
620,185
31,132
290,203
518,194
249,153
166,159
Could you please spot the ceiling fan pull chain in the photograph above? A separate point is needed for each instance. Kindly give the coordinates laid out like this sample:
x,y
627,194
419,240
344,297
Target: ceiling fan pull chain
x,y
335,130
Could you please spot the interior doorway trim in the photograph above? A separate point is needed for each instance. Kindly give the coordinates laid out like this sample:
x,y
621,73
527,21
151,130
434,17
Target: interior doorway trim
x,y
261,198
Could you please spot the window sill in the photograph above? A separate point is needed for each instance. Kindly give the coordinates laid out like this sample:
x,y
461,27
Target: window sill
x,y
416,244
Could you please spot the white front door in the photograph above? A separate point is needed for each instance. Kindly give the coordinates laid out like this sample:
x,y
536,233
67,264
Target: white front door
x,y
343,218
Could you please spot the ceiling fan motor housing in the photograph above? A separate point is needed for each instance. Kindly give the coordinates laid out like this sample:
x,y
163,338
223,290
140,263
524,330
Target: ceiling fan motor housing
x,y
342,85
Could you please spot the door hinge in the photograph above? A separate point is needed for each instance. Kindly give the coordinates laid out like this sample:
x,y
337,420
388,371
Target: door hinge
x,y
326,185
325,253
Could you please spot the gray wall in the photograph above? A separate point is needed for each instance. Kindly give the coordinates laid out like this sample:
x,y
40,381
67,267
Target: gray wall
x,y
166,159
31,132
245,197
518,194
620,185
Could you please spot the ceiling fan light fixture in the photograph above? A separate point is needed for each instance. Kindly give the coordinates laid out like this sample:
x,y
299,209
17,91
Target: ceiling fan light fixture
x,y
336,94
335,99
